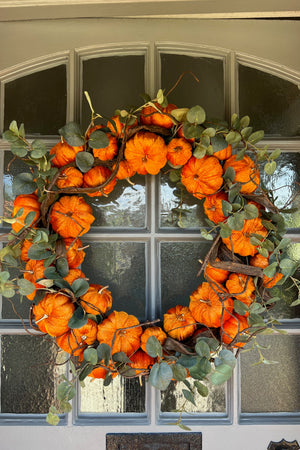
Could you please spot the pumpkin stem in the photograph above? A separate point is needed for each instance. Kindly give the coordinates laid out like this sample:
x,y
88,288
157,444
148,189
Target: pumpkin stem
x,y
102,289
45,316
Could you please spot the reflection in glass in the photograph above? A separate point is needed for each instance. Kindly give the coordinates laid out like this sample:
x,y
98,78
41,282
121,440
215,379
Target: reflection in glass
x,y
208,93
29,375
38,100
272,103
121,396
120,266
271,387
172,399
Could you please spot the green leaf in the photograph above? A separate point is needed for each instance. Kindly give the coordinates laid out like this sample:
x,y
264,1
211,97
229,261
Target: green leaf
x,y
240,307
251,212
29,218
78,319
270,270
227,357
62,267
103,351
39,149
14,128
225,231
244,122
4,276
196,115
52,419
287,266
233,192
191,131
222,373
84,161
73,134
23,184
121,357
189,396
275,154
98,139
22,130
283,244
200,369
226,208
174,176
19,148
235,120
236,221
263,252
233,137
25,287
10,136
160,375
199,152
210,132
180,114
246,132
229,174
65,391
187,361
65,407
39,251
218,143
202,349
201,389
256,136
90,355
80,287
179,372
240,154
206,235
107,380
270,167
153,347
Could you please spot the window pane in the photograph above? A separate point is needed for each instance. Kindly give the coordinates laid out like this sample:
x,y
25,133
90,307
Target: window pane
x,y
121,266
284,183
28,374
272,103
112,82
179,268
14,169
208,93
38,100
172,399
121,396
271,387
124,207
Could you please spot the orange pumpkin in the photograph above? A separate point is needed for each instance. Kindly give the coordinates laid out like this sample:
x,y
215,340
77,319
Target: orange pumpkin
x,y
179,151
97,300
101,372
124,170
213,206
246,173
239,241
71,216
179,322
215,274
70,177
76,341
27,243
115,327
208,307
263,262
141,361
53,313
73,275
64,153
92,129
224,154
29,203
118,129
152,331
75,253
34,271
241,287
150,115
181,135
97,176
146,153
202,177
108,152
233,328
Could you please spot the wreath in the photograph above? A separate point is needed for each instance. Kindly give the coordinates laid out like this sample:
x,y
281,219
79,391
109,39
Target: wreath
x,y
215,162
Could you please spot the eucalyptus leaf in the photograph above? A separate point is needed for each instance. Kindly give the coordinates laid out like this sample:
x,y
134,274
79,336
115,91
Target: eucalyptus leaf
x,y
188,396
153,347
179,372
121,357
199,152
72,134
98,139
196,115
39,149
236,221
23,183
202,349
191,131
25,286
270,167
222,373
206,235
256,136
200,369
226,208
78,319
103,352
80,287
218,143
229,174
201,389
246,132
160,376
39,251
244,121
90,355
84,161
62,266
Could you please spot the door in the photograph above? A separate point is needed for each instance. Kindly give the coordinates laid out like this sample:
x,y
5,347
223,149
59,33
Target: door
x,y
244,66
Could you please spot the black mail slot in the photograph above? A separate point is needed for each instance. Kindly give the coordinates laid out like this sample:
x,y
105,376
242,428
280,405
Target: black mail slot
x,y
154,441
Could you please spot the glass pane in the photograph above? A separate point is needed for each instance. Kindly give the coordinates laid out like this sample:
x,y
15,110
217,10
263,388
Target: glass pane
x,y
38,100
124,207
208,93
172,399
178,207
179,268
28,374
121,266
121,396
272,103
267,388
112,82
284,184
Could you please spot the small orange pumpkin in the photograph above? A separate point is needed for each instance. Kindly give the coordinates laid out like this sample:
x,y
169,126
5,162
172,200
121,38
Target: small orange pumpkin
x,y
108,152
70,177
263,262
64,153
115,327
71,216
213,206
150,115
146,153
224,154
76,341
75,253
97,176
232,328
124,170
179,151
239,241
241,287
179,322
203,176
29,203
26,244
97,300
118,129
34,271
141,362
207,306
53,313
215,274
152,331
73,275
246,173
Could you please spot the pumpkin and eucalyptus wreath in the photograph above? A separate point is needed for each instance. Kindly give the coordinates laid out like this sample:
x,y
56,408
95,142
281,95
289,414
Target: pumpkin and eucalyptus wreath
x,y
217,163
